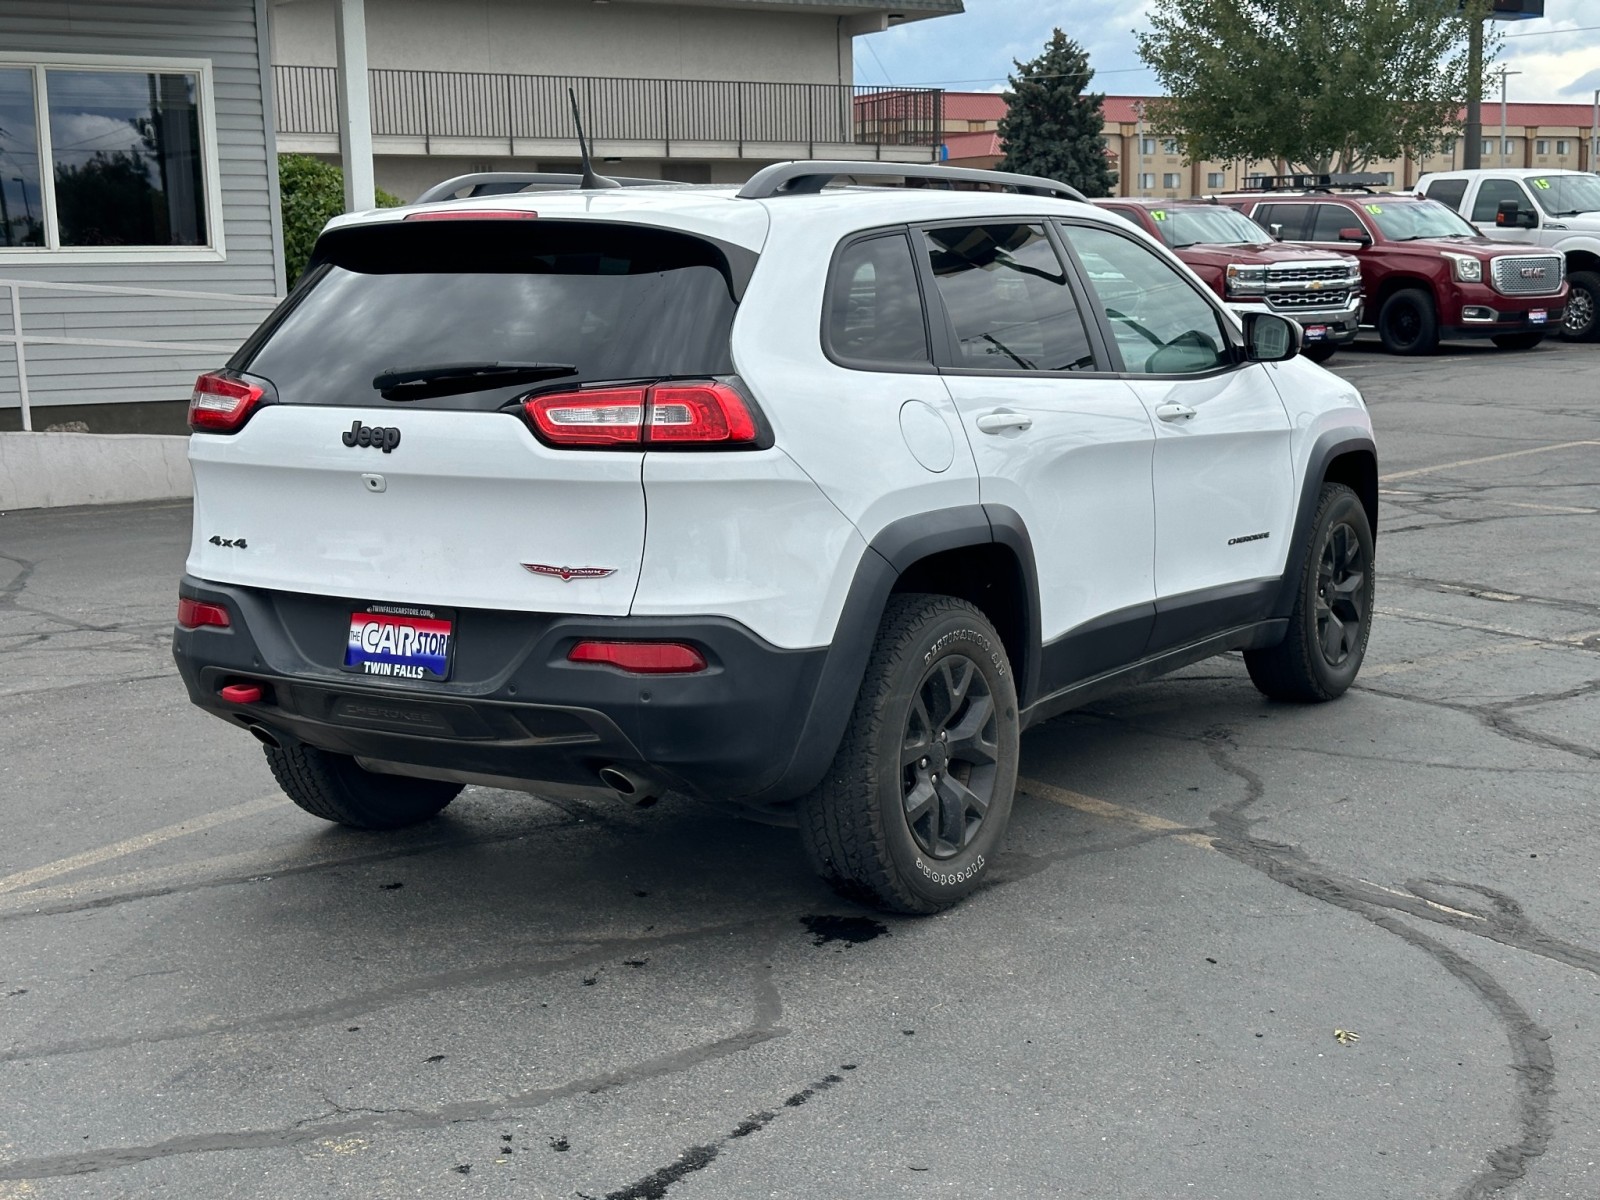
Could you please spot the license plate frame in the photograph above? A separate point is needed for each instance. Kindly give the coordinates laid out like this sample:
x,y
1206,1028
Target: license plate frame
x,y
1538,316
1316,333
403,645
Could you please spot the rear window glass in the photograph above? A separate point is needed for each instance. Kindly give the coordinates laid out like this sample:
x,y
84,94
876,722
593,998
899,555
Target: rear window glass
x,y
615,302
1448,191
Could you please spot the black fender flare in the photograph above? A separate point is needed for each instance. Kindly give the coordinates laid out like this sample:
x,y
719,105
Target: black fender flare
x,y
1331,445
890,553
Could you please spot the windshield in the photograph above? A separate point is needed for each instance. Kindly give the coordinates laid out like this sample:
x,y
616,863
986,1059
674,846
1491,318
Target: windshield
x,y
508,303
1408,220
1566,195
1213,226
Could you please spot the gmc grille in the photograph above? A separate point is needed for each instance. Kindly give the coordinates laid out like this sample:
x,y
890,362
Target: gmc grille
x,y
1515,275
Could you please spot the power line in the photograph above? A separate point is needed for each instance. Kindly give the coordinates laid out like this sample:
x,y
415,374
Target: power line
x,y
1548,32
1004,78
872,51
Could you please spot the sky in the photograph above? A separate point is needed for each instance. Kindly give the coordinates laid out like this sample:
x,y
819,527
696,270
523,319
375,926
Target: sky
x,y
1558,55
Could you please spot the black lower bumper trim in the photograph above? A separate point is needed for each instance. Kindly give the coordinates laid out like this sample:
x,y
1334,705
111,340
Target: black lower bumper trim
x,y
515,708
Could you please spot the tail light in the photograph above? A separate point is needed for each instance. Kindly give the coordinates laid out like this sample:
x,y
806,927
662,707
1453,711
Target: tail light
x,y
641,658
712,415
221,403
197,614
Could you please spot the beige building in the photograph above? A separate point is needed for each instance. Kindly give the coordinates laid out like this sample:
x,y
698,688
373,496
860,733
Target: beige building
x,y
696,90
1535,135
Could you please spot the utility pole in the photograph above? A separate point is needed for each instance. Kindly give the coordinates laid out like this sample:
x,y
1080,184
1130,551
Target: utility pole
x,y
1138,112
1472,152
1503,72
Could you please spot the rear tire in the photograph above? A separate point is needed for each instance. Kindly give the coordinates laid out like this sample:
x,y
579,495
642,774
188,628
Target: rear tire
x,y
1408,324
915,805
1319,352
1582,322
335,788
1517,341
1332,616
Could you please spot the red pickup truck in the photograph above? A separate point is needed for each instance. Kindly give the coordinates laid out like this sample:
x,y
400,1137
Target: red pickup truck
x,y
1428,273
1252,271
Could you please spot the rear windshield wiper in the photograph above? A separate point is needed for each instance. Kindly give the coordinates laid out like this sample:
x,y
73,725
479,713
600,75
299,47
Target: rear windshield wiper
x,y
444,379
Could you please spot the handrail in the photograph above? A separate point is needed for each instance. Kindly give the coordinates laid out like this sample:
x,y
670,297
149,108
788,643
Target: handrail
x,y
19,340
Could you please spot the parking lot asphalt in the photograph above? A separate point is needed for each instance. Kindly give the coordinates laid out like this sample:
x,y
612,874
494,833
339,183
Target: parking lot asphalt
x,y
1235,949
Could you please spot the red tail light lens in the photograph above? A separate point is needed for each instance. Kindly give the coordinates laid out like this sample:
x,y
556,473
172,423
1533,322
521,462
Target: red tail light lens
x,y
222,403
603,417
641,658
701,414
196,614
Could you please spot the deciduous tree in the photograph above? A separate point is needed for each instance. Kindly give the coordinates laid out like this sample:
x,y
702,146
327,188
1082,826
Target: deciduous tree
x,y
1052,126
1319,84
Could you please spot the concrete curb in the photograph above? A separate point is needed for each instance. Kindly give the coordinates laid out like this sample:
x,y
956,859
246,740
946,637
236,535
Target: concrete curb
x,y
52,470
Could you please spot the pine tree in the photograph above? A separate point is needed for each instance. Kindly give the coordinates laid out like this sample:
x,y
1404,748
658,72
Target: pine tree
x,y
1052,127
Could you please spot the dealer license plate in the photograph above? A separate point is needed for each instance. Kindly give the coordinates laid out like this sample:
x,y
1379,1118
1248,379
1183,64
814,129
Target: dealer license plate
x,y
1316,333
1538,316
398,641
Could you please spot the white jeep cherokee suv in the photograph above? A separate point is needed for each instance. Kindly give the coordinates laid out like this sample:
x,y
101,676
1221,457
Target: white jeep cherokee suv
x,y
807,498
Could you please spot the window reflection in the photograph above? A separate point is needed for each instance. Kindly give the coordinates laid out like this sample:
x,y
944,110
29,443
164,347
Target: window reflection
x,y
21,199
125,148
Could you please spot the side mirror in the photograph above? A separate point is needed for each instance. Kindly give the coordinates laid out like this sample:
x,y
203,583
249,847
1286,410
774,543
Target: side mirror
x,y
1511,215
1270,338
1355,234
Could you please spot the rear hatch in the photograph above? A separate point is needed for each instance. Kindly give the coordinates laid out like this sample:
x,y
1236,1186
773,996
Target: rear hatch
x,y
373,469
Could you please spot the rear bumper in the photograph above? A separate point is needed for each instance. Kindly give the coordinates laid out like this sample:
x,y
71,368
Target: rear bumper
x,y
515,708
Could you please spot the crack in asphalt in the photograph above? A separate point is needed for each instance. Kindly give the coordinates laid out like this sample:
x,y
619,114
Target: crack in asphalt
x,y
767,1005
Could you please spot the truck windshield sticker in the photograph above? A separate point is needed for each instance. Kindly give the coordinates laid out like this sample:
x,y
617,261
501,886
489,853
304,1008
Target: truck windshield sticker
x,y
1158,214
1543,184
1375,209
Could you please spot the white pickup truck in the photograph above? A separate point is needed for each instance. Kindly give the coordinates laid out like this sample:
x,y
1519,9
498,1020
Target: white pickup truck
x,y
1557,209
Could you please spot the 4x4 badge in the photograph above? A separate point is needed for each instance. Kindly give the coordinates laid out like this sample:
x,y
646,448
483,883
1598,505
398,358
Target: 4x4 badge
x,y
569,573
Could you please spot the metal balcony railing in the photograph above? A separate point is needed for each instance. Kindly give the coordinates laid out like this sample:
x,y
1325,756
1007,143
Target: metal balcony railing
x,y
460,104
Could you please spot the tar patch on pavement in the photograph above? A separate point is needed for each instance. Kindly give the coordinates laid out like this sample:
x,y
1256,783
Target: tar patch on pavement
x,y
852,931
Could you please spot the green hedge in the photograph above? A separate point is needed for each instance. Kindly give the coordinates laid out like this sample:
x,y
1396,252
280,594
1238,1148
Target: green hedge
x,y
312,192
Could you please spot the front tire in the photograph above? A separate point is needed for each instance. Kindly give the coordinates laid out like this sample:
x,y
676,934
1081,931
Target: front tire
x,y
1332,616
1319,352
1582,323
915,805
1517,341
336,788
1408,324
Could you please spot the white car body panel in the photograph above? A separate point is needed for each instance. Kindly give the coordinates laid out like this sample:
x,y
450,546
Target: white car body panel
x,y
1580,232
1079,476
1220,476
749,537
468,498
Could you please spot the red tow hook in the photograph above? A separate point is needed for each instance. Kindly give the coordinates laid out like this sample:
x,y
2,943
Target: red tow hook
x,y
241,693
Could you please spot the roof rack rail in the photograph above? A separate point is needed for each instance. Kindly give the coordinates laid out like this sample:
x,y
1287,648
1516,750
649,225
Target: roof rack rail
x,y
807,178
502,183
1353,181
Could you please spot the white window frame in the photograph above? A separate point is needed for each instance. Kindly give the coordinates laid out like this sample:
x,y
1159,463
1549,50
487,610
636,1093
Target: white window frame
x,y
52,252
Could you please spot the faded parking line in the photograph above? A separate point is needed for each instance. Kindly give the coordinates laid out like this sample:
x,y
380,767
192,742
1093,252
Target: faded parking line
x,y
1472,462
90,858
1116,812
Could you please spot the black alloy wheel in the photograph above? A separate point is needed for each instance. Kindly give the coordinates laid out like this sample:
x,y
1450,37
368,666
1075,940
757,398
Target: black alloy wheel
x,y
1583,307
949,758
1407,323
1341,602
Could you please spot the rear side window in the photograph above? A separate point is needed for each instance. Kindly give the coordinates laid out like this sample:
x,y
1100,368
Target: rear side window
x,y
1007,299
613,302
875,307
1448,191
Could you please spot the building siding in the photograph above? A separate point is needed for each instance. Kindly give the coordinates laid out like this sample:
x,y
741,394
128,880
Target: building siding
x,y
232,36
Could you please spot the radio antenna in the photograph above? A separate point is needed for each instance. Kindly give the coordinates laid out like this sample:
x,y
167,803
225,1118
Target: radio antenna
x,y
590,179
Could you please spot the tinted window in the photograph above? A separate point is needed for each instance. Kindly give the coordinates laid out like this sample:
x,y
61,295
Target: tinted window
x,y
1329,220
1291,217
1448,191
1491,192
874,307
1161,323
1007,299
21,197
617,302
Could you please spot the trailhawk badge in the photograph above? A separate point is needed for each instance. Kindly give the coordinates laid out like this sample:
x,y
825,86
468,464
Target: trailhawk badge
x,y
569,573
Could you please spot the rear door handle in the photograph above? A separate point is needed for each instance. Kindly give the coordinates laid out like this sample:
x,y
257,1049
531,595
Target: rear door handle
x,y
999,422
1174,412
